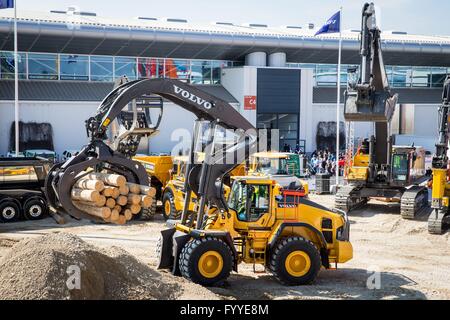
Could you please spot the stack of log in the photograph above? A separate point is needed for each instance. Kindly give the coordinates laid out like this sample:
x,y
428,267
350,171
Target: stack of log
x,y
110,197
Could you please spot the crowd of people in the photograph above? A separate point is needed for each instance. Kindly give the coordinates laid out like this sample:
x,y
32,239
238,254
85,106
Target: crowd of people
x,y
320,161
325,162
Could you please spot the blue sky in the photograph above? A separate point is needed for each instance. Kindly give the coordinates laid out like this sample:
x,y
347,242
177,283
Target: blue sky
x,y
413,16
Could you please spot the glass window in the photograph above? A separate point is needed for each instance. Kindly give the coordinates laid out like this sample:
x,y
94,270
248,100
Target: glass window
x,y
307,66
150,68
267,121
421,77
438,76
288,129
74,67
7,65
177,69
102,69
43,66
217,70
249,201
400,167
201,72
402,77
326,75
126,67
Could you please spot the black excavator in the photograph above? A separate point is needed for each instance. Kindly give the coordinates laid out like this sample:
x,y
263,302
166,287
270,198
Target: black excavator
x,y
380,168
126,128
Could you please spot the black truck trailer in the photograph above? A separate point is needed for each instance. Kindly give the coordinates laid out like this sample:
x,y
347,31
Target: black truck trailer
x,y
21,188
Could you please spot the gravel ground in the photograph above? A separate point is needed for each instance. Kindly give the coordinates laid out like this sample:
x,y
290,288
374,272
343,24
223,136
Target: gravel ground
x,y
399,258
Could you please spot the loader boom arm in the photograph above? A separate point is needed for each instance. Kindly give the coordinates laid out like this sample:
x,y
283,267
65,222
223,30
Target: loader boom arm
x,y
98,154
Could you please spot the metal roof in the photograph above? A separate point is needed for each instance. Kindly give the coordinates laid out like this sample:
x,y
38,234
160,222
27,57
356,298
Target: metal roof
x,y
86,34
80,91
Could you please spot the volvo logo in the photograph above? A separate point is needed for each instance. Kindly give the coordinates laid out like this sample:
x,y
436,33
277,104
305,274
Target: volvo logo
x,y
192,97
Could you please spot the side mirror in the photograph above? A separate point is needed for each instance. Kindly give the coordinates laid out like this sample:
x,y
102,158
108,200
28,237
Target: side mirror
x,y
279,198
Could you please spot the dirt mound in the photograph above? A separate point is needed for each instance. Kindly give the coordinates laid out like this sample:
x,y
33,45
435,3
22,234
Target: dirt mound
x,y
41,268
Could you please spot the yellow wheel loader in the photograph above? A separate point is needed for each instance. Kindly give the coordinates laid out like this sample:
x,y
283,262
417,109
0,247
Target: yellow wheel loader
x,y
262,223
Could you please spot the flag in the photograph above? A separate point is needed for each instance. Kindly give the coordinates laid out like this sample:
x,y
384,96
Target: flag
x,y
5,4
333,25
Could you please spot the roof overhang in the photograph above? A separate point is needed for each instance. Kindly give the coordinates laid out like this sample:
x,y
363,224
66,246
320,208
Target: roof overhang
x,y
185,41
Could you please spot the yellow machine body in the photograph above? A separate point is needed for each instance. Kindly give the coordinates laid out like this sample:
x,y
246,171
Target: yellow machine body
x,y
358,170
278,219
440,189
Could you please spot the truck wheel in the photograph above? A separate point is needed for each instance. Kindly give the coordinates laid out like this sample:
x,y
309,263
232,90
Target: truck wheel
x,y
9,211
35,209
295,261
206,261
169,209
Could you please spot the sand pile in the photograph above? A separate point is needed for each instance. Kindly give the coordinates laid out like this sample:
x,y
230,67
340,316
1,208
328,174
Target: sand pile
x,y
39,268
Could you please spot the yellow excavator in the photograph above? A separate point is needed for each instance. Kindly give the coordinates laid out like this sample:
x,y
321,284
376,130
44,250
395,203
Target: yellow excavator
x,y
439,219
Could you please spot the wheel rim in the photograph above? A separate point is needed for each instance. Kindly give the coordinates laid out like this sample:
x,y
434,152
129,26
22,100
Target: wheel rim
x,y
298,263
35,211
210,264
167,207
9,213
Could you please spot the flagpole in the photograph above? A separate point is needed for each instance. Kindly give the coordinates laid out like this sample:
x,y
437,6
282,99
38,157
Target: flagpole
x,y
16,82
338,106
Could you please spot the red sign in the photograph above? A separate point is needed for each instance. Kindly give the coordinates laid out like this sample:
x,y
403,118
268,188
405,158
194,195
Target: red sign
x,y
250,103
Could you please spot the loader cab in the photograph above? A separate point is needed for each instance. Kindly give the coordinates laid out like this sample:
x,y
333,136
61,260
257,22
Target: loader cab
x,y
274,164
250,199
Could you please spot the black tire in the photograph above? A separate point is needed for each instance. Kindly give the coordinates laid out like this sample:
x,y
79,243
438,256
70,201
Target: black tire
x,y
148,214
287,247
169,210
9,211
195,250
35,209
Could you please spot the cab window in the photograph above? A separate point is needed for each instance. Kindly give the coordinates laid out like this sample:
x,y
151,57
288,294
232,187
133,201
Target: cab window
x,y
249,201
400,167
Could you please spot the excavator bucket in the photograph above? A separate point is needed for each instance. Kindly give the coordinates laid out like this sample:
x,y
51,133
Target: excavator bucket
x,y
366,106
369,98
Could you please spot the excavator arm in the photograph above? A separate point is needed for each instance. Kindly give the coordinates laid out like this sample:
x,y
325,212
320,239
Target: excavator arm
x,y
99,156
368,97
440,160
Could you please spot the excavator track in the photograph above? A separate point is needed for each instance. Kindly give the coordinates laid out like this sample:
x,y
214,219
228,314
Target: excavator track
x,y
413,201
437,221
345,201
